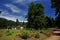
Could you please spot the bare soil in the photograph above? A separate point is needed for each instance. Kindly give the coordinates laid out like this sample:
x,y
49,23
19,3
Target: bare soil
x,y
55,36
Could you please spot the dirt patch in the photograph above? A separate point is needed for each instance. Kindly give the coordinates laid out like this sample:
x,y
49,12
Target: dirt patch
x,y
55,36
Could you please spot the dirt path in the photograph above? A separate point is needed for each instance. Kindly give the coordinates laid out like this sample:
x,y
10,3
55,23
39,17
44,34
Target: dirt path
x,y
55,36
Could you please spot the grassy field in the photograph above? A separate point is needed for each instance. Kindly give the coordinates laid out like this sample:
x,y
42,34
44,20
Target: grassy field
x,y
28,34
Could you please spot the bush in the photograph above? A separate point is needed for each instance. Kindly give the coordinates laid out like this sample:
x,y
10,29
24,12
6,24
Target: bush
x,y
9,34
37,35
8,31
43,31
0,35
25,36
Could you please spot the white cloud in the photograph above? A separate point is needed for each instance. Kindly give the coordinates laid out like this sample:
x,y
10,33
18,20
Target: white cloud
x,y
17,1
12,17
23,2
13,8
3,12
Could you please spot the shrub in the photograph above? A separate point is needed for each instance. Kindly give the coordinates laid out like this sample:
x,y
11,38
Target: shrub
x,y
37,35
0,35
8,31
8,34
24,36
43,31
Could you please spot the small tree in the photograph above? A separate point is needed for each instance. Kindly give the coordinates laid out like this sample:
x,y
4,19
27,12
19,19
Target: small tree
x,y
17,22
0,12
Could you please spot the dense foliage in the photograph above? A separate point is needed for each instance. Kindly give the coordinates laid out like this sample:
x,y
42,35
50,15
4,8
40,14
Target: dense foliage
x,y
50,22
57,21
4,23
56,5
36,18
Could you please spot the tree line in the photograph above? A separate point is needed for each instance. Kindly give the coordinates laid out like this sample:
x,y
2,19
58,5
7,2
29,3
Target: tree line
x,y
4,23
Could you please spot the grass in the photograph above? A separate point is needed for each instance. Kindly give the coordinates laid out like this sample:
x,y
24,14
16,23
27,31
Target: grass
x,y
12,34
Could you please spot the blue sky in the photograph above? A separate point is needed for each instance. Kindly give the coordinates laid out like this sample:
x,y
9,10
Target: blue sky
x,y
13,9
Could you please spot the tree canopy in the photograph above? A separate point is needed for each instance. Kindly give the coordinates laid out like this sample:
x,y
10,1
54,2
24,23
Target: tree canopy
x,y
56,4
36,17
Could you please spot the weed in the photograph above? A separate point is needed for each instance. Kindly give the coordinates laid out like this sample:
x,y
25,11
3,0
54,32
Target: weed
x,y
25,36
37,35
8,34
0,35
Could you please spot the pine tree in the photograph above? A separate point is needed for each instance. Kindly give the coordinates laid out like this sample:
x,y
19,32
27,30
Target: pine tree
x,y
36,17
17,22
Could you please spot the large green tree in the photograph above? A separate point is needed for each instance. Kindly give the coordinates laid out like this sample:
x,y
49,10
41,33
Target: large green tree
x,y
56,5
36,18
30,15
